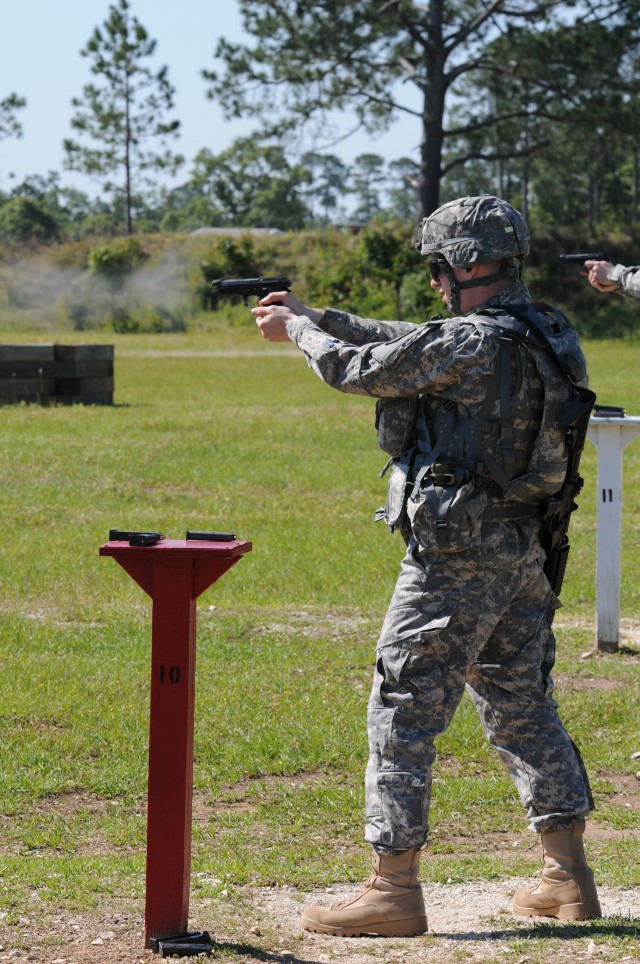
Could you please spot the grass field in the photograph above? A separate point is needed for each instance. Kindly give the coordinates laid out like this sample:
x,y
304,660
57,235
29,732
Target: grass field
x,y
218,429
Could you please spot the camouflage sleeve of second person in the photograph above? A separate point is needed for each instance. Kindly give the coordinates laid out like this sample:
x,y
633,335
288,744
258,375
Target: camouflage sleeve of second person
x,y
627,278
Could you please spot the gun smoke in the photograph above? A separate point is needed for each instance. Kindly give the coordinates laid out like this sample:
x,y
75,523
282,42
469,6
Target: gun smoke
x,y
149,297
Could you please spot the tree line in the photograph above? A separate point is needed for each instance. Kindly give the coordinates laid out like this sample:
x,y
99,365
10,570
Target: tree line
x,y
247,185
538,102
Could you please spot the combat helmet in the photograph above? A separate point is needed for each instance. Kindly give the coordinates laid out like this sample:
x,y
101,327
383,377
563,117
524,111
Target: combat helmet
x,y
475,230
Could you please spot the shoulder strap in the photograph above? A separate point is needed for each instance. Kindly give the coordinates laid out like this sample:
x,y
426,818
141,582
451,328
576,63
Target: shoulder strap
x,y
499,387
540,323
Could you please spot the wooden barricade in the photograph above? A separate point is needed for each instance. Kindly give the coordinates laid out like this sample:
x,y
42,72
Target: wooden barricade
x,y
57,374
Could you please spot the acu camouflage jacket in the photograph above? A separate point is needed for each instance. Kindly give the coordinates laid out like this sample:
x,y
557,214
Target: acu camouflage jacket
x,y
450,364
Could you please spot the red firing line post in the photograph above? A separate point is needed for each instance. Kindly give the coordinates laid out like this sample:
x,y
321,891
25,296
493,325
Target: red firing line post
x,y
173,573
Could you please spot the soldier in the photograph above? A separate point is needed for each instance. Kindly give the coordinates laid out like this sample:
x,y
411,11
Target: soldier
x,y
462,412
605,276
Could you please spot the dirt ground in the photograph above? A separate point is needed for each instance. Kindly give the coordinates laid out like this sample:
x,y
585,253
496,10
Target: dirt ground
x,y
467,922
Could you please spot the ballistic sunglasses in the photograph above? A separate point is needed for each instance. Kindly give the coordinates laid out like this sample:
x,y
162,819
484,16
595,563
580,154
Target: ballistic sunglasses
x,y
435,267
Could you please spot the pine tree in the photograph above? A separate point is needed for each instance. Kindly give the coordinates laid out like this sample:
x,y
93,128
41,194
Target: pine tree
x,y
312,59
120,113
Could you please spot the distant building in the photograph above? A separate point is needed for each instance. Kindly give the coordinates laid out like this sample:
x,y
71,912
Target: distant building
x,y
234,232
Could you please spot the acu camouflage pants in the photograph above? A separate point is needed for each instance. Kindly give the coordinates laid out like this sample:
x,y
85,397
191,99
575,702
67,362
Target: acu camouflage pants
x,y
483,618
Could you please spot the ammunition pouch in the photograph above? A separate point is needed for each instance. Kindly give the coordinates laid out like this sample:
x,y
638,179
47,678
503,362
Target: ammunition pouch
x,y
394,511
395,421
446,508
443,506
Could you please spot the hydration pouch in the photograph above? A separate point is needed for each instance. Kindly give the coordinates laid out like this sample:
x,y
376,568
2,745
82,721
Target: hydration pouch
x,y
395,422
447,517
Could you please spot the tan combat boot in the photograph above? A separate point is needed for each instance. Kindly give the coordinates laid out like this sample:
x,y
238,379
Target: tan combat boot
x,y
567,889
390,905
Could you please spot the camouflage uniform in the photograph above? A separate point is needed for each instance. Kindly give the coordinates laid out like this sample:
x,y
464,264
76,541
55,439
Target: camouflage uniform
x,y
480,616
627,278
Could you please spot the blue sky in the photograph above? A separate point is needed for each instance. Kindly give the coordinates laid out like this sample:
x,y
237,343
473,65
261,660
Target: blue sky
x,y
40,60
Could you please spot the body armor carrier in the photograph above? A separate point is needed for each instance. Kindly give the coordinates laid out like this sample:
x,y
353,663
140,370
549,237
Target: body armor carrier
x,y
516,457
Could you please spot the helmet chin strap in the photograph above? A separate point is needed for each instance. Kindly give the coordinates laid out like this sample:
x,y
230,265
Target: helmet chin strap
x,y
512,270
454,289
456,286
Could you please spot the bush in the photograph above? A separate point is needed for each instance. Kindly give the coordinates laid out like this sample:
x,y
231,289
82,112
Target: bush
x,y
23,219
89,302
117,259
376,273
389,254
380,302
100,225
417,300
147,319
229,258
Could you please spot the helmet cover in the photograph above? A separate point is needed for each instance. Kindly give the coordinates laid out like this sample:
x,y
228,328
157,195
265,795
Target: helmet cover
x,y
474,230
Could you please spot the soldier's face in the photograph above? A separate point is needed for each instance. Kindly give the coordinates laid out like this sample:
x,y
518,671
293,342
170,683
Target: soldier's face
x,y
440,281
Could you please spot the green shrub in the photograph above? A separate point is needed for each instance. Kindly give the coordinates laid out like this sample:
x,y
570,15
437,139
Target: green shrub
x,y
102,225
389,254
116,259
417,300
89,302
23,219
379,302
229,258
147,319
104,297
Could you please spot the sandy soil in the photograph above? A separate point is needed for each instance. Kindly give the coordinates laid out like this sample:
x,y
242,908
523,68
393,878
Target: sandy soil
x,y
469,922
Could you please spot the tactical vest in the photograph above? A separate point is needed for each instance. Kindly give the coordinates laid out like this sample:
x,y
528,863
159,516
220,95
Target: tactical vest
x,y
522,445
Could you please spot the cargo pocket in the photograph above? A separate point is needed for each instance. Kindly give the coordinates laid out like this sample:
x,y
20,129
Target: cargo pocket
x,y
404,805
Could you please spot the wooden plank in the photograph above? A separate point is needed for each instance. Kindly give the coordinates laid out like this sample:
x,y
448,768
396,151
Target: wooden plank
x,y
28,353
17,388
83,386
84,352
97,368
56,369
81,374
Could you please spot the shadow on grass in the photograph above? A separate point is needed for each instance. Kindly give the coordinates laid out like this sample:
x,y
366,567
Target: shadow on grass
x,y
607,927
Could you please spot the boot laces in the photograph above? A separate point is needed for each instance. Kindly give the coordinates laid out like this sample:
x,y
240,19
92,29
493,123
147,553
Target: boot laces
x,y
361,893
